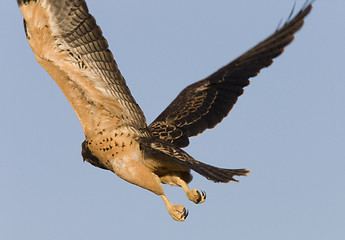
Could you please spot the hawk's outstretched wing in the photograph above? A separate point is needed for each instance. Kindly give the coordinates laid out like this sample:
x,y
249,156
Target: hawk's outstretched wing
x,y
205,103
69,44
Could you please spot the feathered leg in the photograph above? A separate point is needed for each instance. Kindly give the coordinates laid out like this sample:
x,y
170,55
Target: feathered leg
x,y
177,212
177,179
193,195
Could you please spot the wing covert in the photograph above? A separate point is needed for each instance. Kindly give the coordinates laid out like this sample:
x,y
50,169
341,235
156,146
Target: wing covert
x,y
204,104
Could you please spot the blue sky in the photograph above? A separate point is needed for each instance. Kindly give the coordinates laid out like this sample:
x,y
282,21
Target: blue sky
x,y
288,127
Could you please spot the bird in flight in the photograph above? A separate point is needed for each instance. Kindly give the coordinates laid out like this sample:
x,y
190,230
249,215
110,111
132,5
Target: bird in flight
x,y
70,46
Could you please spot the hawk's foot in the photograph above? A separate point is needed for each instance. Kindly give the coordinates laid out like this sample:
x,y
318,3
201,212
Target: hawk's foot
x,y
177,212
196,196
193,195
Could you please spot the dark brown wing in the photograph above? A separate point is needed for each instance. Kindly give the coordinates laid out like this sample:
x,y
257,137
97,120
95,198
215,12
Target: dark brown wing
x,y
205,103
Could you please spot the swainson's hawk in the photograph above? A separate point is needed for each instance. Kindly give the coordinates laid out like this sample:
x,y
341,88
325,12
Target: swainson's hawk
x,y
70,46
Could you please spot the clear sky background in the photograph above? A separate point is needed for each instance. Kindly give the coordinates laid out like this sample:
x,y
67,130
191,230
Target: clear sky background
x,y
288,127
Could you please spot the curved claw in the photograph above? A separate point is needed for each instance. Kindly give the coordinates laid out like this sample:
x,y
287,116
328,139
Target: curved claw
x,y
201,197
183,216
186,212
204,194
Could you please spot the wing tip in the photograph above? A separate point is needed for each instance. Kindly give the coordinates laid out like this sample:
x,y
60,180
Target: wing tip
x,y
305,10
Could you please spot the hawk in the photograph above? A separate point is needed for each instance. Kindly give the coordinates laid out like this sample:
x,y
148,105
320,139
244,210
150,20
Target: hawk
x,y
70,46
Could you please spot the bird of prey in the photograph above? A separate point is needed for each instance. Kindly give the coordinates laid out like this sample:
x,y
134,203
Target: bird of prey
x,y
70,46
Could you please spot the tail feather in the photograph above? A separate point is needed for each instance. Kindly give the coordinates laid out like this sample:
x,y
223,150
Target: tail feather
x,y
212,173
218,174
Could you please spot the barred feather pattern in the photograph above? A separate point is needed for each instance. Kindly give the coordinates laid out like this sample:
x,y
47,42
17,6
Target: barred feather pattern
x,y
76,32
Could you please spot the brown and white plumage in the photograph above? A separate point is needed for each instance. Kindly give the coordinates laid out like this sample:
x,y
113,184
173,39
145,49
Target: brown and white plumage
x,y
69,44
